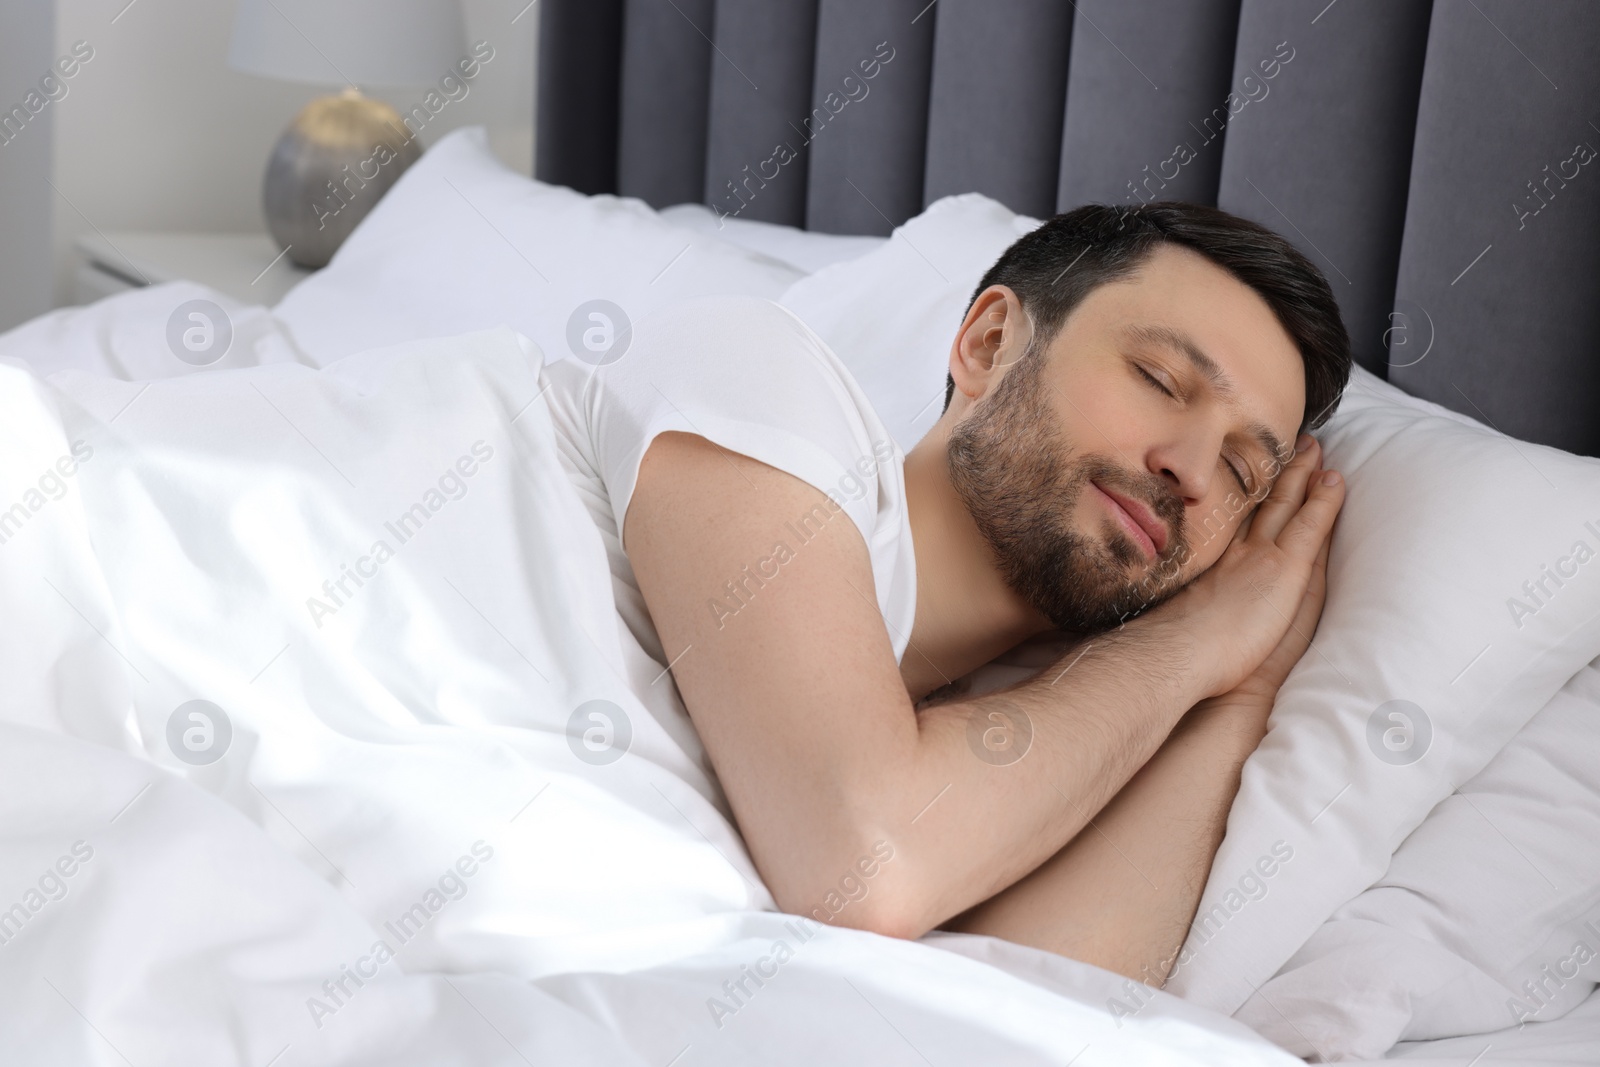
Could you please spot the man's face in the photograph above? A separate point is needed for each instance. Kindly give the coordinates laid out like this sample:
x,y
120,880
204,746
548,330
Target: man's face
x,y
1112,465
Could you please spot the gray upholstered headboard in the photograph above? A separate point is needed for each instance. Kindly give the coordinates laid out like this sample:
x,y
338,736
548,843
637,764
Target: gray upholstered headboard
x,y
1436,158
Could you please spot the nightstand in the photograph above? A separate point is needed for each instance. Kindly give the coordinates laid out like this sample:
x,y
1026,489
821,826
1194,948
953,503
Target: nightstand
x,y
245,266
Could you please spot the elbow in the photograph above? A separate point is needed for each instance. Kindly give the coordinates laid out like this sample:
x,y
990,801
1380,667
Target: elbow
x,y
875,913
868,894
891,921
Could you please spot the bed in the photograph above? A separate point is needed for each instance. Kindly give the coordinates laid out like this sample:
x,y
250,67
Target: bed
x,y
325,742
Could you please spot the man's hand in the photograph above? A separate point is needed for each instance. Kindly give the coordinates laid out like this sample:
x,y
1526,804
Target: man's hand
x,y
1260,688
1252,614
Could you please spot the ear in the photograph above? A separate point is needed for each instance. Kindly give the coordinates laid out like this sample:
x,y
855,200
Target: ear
x,y
993,336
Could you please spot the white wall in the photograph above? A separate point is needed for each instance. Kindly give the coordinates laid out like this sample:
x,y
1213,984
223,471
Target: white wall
x,y
26,55
158,133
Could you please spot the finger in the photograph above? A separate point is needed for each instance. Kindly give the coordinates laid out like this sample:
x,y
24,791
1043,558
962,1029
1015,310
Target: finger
x,y
1297,638
1311,605
1319,569
1304,624
1288,493
1302,538
1316,592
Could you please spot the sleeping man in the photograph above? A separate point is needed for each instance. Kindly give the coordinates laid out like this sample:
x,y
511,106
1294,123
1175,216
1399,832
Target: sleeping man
x,y
1122,463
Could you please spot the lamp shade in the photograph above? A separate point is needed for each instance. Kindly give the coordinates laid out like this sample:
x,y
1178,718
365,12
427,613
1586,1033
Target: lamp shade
x,y
354,42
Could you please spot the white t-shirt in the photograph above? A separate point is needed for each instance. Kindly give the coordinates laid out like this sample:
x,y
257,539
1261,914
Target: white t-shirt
x,y
750,376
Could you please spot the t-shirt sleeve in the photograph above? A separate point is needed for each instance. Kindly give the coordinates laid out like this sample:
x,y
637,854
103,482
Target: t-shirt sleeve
x,y
750,376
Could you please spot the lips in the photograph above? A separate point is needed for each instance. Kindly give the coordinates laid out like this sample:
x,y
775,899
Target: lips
x,y
1149,531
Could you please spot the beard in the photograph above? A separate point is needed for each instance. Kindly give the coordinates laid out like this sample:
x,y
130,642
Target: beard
x,y
1021,481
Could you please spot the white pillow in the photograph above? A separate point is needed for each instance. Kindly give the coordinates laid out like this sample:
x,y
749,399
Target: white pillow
x,y
1488,916
891,314
802,249
1444,522
462,243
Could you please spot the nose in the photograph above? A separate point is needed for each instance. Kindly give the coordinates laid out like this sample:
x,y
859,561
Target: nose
x,y
1187,473
1187,452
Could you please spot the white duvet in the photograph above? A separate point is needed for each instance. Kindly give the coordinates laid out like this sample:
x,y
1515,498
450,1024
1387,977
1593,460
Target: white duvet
x,y
322,743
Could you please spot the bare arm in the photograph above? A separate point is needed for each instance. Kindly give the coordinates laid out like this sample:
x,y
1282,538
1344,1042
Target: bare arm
x,y
807,721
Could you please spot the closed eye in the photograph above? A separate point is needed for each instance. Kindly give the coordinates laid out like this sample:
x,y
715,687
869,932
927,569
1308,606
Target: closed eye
x,y
1245,489
1157,382
1153,380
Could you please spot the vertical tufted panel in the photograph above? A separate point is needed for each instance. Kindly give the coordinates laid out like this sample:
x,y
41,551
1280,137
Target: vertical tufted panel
x,y
995,107
760,85
666,87
1321,153
1145,78
869,134
1501,257
580,52
27,44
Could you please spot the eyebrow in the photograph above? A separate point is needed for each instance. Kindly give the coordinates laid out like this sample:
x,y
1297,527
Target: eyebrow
x,y
1180,342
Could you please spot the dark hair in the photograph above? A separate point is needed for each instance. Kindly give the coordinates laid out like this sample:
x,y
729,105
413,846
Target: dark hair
x,y
1054,267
